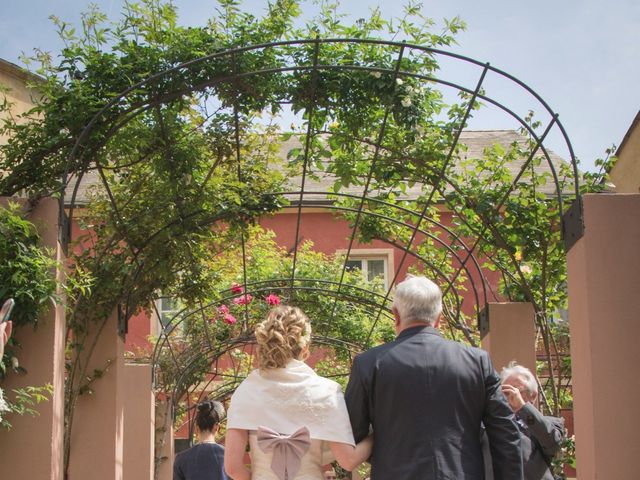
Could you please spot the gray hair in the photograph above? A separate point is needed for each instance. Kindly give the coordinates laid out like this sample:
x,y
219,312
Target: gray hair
x,y
514,369
418,299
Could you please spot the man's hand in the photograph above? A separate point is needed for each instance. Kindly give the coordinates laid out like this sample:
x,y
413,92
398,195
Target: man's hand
x,y
514,397
5,333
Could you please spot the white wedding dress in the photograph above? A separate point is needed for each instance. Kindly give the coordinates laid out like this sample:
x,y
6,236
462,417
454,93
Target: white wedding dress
x,y
311,464
284,400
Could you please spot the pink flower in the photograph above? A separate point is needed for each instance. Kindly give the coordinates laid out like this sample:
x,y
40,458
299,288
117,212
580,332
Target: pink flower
x,y
243,299
223,309
272,299
230,319
526,269
236,288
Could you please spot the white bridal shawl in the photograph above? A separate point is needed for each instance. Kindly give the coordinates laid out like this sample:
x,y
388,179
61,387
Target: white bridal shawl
x,y
285,399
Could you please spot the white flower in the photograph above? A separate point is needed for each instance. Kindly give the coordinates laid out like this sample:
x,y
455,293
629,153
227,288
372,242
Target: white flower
x,y
376,74
526,269
4,406
406,102
399,81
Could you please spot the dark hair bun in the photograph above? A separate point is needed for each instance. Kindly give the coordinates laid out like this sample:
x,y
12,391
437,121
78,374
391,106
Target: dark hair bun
x,y
205,407
209,413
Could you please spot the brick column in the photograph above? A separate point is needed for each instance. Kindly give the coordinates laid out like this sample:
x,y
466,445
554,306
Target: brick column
x,y
508,333
139,422
33,447
98,428
604,306
164,437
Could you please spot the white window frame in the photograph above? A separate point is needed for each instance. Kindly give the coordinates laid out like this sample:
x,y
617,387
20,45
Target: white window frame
x,y
156,323
366,254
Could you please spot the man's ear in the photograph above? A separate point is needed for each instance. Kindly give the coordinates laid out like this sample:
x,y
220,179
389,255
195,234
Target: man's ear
x,y
396,316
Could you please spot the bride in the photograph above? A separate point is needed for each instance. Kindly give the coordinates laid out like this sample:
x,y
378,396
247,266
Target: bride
x,y
293,420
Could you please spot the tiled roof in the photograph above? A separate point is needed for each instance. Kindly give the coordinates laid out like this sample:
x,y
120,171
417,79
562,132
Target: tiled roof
x,y
476,141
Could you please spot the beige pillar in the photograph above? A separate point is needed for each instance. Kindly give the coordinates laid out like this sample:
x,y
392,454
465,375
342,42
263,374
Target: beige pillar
x,y
604,306
509,334
164,437
138,422
33,447
98,429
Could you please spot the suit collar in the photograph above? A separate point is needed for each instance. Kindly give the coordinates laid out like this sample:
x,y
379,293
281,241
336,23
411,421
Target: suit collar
x,y
411,331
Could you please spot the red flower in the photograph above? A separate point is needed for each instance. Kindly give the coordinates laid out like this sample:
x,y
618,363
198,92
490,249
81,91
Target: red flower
x,y
236,288
230,319
243,299
223,309
272,299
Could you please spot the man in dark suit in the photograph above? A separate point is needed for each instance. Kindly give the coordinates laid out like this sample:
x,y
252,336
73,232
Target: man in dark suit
x,y
425,398
541,436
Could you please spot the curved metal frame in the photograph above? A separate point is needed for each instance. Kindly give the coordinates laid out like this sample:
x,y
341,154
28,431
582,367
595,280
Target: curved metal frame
x,y
127,111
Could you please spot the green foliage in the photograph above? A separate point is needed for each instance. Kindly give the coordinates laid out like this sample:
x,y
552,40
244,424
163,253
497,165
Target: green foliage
x,y
24,402
567,456
104,59
26,269
27,274
516,221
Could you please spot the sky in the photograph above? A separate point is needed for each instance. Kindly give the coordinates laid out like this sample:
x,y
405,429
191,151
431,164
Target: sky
x,y
581,56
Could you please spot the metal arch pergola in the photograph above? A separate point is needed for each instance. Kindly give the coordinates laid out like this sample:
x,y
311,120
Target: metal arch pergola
x,y
124,109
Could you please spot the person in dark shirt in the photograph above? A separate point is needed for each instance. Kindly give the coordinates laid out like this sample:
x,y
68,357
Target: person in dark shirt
x,y
204,461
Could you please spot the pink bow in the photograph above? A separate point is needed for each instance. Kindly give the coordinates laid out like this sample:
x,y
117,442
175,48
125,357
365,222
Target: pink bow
x,y
287,450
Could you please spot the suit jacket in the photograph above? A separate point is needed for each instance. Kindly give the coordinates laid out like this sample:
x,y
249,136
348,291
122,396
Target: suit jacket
x,y
425,398
541,438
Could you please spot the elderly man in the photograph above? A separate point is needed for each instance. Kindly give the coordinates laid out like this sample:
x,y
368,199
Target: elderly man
x,y
541,436
425,398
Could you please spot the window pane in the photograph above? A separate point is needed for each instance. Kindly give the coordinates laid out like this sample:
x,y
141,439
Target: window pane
x,y
354,264
165,318
375,269
168,308
168,304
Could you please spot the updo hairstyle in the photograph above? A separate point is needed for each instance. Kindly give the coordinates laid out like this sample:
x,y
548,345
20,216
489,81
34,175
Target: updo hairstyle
x,y
282,336
209,415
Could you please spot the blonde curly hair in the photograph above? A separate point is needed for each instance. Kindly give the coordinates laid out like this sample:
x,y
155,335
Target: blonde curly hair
x,y
282,336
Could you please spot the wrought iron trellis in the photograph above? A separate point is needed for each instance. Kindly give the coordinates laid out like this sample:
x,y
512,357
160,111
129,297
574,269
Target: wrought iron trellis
x,y
126,106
